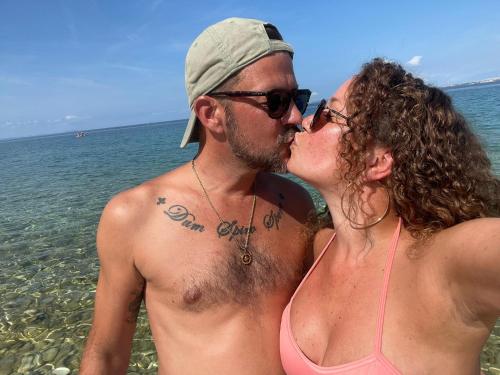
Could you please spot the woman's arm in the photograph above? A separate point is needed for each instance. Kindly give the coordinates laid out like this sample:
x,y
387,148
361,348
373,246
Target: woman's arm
x,y
471,253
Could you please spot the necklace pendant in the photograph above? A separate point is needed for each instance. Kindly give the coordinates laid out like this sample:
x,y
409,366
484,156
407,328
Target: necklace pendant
x,y
246,258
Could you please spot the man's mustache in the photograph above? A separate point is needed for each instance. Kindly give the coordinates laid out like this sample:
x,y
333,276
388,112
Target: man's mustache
x,y
288,136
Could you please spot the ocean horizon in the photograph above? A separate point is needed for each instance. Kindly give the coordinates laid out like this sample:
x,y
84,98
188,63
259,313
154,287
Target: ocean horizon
x,y
53,190
448,89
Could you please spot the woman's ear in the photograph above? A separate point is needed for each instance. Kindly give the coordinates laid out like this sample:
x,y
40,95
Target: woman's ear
x,y
210,113
379,164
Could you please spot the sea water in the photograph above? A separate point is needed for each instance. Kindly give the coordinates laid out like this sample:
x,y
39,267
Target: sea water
x,y
52,191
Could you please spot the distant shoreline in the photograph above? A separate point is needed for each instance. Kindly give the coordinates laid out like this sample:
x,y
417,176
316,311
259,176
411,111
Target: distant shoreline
x,y
491,82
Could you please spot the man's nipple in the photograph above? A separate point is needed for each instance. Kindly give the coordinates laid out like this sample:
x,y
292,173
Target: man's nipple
x,y
192,295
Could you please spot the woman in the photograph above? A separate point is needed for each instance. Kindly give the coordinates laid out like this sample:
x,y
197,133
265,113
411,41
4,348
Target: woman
x,y
407,278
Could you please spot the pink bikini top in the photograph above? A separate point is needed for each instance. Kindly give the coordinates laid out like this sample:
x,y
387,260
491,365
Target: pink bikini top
x,y
295,362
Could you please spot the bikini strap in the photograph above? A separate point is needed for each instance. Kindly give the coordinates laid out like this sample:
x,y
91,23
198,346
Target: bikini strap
x,y
383,295
313,266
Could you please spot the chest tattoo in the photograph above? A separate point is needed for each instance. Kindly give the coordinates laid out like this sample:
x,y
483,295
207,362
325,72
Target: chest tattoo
x,y
224,278
272,219
232,229
181,214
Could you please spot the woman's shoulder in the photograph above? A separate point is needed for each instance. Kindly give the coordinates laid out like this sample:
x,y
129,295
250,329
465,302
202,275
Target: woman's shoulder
x,y
471,232
457,246
468,245
321,239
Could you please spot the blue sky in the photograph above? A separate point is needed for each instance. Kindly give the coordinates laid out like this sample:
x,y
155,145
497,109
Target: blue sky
x,y
80,64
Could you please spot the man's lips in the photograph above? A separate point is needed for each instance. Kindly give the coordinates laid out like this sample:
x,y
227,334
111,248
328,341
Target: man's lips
x,y
289,137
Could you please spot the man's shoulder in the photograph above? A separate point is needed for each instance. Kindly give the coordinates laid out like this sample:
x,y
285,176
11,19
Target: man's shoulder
x,y
132,205
294,198
286,184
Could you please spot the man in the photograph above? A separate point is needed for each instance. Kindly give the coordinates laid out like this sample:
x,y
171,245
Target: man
x,y
216,247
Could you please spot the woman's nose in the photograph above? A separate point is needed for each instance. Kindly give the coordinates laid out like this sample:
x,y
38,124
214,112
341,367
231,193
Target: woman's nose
x,y
306,123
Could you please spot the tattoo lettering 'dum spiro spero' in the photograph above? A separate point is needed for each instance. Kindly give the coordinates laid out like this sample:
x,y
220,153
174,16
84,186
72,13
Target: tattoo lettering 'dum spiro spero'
x,y
187,219
232,229
272,219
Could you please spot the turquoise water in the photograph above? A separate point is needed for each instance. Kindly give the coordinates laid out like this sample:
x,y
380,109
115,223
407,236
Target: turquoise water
x,y
52,191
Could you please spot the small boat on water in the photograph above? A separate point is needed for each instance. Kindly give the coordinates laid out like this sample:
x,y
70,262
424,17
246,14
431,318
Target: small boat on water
x,y
80,134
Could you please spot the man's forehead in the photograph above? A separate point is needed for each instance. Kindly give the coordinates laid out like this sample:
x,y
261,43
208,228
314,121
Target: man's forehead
x,y
272,71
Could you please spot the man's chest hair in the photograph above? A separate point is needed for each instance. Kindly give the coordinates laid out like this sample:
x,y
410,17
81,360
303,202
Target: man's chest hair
x,y
225,279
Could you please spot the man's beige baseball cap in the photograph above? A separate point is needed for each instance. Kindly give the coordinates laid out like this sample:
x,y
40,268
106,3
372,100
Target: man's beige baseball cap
x,y
220,51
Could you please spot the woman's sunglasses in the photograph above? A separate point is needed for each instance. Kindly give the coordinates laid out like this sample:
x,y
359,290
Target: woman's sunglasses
x,y
319,111
277,100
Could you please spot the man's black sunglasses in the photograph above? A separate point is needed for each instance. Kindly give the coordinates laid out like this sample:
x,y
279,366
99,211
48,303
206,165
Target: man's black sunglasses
x,y
321,107
278,101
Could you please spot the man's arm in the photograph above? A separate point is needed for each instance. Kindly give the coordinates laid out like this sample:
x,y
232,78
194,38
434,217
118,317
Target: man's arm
x,y
473,263
120,290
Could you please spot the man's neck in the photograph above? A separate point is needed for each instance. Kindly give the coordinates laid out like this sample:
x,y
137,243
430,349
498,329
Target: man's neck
x,y
224,173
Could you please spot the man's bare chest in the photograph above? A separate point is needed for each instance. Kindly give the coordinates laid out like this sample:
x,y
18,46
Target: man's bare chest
x,y
197,262
196,276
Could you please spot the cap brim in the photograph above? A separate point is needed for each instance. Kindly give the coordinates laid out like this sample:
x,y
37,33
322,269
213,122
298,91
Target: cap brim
x,y
190,129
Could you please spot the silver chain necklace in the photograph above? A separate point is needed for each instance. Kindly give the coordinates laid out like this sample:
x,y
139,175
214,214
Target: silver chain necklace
x,y
246,256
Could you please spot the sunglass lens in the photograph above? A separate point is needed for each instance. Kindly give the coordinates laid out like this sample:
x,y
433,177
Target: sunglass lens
x,y
278,103
302,99
317,114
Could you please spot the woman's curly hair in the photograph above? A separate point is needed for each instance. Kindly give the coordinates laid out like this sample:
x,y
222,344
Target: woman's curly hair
x,y
441,175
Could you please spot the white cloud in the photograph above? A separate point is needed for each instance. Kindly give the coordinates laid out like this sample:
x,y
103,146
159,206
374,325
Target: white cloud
x,y
14,80
156,4
415,60
132,68
132,37
177,46
17,123
67,119
82,83
314,93
9,124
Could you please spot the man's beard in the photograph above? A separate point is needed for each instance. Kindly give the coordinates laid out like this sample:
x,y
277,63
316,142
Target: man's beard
x,y
263,160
